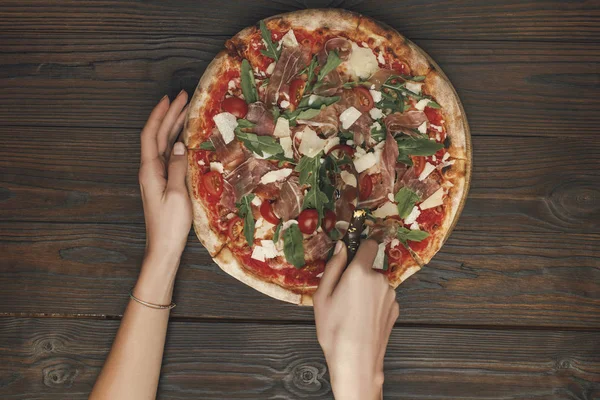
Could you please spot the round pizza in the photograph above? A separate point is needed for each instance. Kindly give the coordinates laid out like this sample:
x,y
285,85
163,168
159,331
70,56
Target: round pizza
x,y
303,119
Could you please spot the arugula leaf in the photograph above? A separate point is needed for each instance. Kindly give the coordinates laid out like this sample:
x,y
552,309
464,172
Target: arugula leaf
x,y
282,159
328,168
335,234
276,113
245,212
406,200
207,146
405,159
271,50
404,235
333,60
433,104
311,74
308,114
346,135
277,231
309,169
420,146
317,102
258,144
378,134
293,248
386,263
247,82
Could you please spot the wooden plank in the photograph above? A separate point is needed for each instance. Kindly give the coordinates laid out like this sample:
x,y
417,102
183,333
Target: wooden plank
x,y
90,175
465,19
490,278
57,358
508,88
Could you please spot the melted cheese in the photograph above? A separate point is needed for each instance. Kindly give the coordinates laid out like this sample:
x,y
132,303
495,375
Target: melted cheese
x,y
226,124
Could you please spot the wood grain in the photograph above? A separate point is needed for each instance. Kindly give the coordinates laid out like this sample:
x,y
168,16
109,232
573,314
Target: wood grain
x,y
488,278
466,19
90,175
508,88
54,358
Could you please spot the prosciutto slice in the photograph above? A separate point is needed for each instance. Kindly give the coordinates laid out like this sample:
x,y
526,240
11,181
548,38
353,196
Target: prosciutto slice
x,y
397,122
259,114
344,205
317,247
230,155
385,186
247,176
326,122
333,81
384,231
290,200
380,77
291,61
227,197
424,188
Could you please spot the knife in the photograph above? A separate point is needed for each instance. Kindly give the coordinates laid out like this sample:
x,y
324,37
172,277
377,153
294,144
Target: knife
x,y
352,236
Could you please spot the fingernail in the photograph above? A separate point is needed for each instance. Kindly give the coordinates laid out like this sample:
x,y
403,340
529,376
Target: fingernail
x,y
180,93
179,149
338,247
163,98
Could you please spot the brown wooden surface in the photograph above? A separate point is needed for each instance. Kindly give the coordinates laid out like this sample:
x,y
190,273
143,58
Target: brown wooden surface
x,y
510,308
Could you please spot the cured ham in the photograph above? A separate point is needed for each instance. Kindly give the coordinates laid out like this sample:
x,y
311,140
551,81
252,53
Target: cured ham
x,y
326,122
424,188
384,231
380,77
317,247
246,177
230,155
399,122
290,200
259,114
387,176
291,61
332,82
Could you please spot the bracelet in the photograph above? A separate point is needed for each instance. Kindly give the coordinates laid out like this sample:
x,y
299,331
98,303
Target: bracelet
x,y
152,305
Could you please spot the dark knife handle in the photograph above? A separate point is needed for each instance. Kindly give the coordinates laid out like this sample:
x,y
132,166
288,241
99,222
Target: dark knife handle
x,y
352,236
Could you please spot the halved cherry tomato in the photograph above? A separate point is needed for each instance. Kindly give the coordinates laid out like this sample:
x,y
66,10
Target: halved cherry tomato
x,y
343,148
365,187
235,106
266,210
213,183
418,164
296,91
364,98
307,221
235,228
329,221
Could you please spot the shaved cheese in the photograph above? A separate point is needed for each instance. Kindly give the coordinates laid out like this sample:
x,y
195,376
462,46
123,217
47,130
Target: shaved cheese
x,y
231,84
216,166
226,124
415,226
284,104
391,197
362,63
320,274
349,116
282,128
421,104
289,39
365,162
423,127
379,257
349,142
414,87
376,113
395,242
446,156
311,144
275,176
258,253
286,145
428,169
376,95
256,201
270,68
201,162
436,199
386,210
263,228
331,142
269,248
348,178
412,217
437,128
380,58
287,224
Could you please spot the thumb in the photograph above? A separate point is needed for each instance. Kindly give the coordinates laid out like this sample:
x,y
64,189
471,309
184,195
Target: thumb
x,y
333,271
178,164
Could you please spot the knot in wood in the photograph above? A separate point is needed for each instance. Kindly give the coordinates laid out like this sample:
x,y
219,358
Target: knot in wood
x,y
307,377
62,374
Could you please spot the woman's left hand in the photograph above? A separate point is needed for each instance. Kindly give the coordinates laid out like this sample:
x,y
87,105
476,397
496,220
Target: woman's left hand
x,y
167,206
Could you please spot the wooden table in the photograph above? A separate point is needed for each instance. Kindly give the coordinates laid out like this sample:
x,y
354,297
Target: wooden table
x,y
510,308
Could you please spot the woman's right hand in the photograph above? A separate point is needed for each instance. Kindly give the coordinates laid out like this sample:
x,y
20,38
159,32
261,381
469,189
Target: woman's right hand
x,y
355,311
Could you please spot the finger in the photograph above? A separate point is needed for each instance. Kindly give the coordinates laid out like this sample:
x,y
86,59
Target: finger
x,y
365,255
177,128
150,131
169,121
333,270
178,164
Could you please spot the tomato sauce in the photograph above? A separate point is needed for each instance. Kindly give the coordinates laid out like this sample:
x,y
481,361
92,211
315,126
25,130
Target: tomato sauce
x,y
216,94
396,255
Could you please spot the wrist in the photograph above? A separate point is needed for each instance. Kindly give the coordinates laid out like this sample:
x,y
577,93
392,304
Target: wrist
x,y
157,278
348,385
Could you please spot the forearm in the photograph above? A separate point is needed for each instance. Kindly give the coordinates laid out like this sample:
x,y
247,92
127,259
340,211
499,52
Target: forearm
x,y
356,388
132,368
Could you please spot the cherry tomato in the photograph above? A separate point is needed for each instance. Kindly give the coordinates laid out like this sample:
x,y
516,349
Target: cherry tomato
x,y
341,148
307,221
329,221
213,183
365,187
266,210
296,91
418,164
235,106
364,98
235,228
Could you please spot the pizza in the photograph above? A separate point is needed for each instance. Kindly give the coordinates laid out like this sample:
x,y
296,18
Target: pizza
x,y
306,117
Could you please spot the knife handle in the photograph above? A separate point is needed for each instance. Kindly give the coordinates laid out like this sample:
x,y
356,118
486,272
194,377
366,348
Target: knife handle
x,y
352,236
